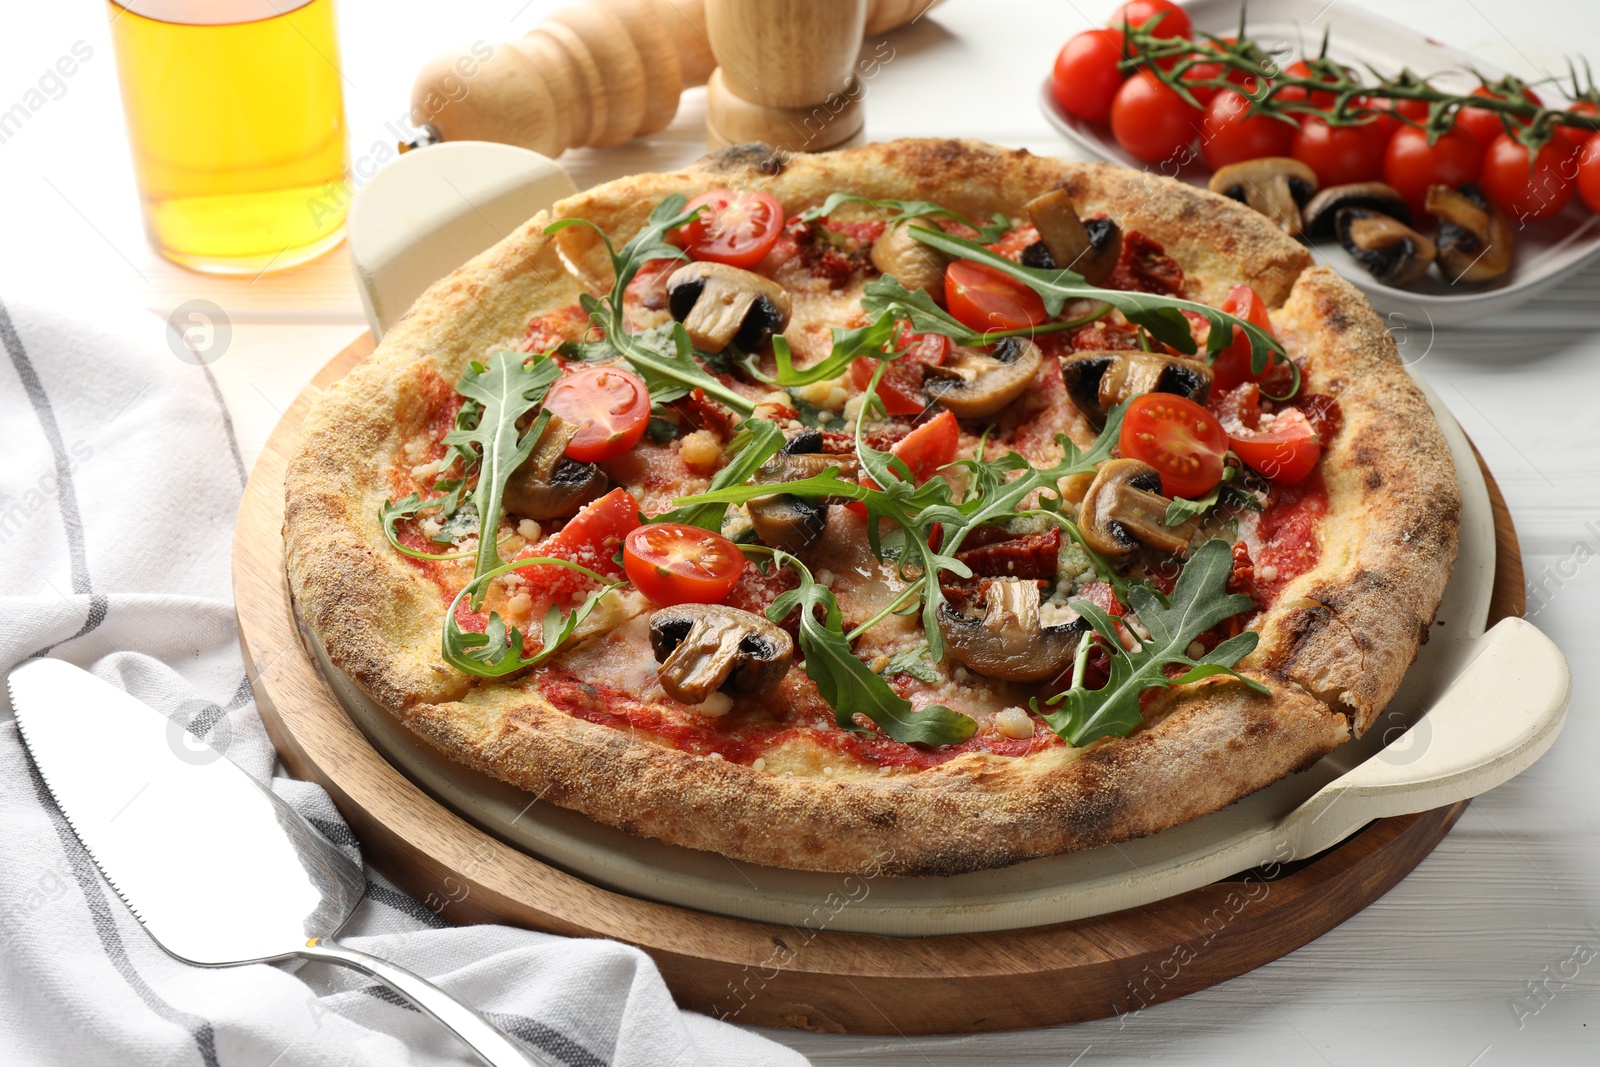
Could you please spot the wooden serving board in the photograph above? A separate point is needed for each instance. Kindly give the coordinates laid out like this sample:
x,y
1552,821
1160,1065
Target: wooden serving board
x,y
806,976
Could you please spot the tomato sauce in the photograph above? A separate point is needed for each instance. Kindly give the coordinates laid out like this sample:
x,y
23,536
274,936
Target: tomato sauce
x,y
547,331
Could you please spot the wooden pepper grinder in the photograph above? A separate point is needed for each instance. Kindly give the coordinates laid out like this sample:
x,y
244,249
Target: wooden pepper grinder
x,y
785,73
602,72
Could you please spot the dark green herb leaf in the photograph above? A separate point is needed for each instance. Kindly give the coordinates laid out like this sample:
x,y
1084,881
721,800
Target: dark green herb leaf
x,y
1199,601
912,209
392,512
497,651
507,389
872,340
764,442
848,685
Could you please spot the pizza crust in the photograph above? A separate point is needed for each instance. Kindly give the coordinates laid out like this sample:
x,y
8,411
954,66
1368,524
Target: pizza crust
x,y
1203,747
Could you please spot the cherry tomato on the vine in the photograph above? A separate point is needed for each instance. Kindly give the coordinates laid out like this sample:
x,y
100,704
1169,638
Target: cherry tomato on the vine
x,y
1227,136
983,299
737,227
1575,137
900,389
1150,120
1285,450
1485,125
1179,438
1411,164
609,406
1587,161
671,563
1524,193
1136,13
1339,154
1209,71
1294,93
1085,78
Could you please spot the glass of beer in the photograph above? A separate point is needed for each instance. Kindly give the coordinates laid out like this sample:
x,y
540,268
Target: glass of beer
x,y
236,121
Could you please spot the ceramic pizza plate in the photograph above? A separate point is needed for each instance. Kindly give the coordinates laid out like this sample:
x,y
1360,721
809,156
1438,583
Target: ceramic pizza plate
x,y
1545,252
1476,708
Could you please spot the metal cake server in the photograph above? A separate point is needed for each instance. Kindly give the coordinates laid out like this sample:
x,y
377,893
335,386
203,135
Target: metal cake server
x,y
217,868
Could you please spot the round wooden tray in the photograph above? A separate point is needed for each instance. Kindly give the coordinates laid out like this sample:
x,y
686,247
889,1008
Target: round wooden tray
x,y
806,976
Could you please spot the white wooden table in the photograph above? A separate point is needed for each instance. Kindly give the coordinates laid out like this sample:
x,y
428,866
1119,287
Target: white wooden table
x,y
1488,954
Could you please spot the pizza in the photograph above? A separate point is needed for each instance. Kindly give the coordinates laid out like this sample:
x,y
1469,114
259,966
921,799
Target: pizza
x,y
923,507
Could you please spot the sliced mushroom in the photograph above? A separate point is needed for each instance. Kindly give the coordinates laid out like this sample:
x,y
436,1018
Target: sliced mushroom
x,y
721,305
548,485
1474,235
1124,509
1392,252
1276,186
1099,381
706,647
913,264
1089,248
1374,196
1008,643
974,384
784,520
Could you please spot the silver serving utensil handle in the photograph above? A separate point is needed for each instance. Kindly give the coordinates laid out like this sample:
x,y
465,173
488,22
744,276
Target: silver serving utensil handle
x,y
477,1033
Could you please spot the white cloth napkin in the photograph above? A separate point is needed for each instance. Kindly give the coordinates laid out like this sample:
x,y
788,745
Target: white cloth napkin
x,y
118,487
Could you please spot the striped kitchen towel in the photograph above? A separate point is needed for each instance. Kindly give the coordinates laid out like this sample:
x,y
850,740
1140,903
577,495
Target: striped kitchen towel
x,y
117,498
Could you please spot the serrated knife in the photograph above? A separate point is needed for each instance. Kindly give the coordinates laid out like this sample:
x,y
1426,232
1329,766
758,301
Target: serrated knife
x,y
217,868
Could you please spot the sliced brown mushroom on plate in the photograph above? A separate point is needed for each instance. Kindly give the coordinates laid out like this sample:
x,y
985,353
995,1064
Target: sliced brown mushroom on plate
x,y
1391,251
721,305
974,384
1374,196
548,485
1008,643
1088,248
1474,235
913,264
1276,186
706,647
1124,509
1099,381
784,520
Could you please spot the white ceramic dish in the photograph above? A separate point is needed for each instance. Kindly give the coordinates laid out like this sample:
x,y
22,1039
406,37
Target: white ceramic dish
x,y
1497,701
1545,252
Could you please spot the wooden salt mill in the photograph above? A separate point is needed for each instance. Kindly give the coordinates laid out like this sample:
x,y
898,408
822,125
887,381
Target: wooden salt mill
x,y
786,73
602,72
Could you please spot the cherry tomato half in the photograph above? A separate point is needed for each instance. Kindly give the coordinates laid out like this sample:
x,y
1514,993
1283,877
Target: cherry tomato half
x,y
1340,155
609,406
1085,77
1588,164
736,228
1150,121
1179,438
983,299
1174,19
1486,125
671,563
1233,364
1524,193
1411,164
924,450
900,389
1228,137
1285,451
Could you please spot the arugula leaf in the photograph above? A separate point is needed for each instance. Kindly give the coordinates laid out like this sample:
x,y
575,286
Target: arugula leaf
x,y
1199,601
848,685
392,512
765,441
497,651
872,340
912,209
662,356
467,418
507,389
913,661
1161,315
1181,508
